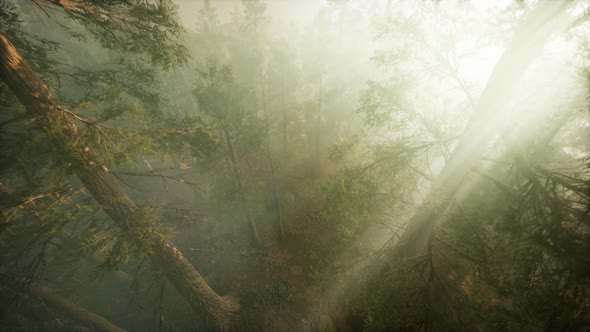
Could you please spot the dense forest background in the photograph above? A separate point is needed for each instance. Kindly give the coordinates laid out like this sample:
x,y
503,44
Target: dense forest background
x,y
294,166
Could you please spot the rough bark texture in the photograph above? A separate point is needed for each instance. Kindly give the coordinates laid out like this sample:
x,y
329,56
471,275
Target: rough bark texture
x,y
61,129
532,34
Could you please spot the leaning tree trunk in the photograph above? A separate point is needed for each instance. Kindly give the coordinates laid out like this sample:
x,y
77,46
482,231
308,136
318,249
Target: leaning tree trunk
x,y
74,311
61,130
532,34
53,299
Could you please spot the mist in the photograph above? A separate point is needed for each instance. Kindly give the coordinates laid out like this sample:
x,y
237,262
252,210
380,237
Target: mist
x,y
343,165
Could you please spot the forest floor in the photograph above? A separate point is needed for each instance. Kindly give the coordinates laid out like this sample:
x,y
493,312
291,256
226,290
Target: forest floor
x,y
272,283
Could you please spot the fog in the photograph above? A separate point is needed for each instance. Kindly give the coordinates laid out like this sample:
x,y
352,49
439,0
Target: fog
x,y
252,165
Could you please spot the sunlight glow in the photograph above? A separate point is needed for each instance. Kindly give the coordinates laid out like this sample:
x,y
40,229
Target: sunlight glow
x,y
295,165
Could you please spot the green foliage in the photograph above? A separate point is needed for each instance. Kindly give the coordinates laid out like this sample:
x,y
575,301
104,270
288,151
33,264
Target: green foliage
x,y
217,93
254,15
353,200
262,126
147,30
341,150
383,104
113,247
39,52
113,97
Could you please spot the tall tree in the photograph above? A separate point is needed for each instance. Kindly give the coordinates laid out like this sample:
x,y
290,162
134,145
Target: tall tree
x,y
150,23
452,255
535,30
104,187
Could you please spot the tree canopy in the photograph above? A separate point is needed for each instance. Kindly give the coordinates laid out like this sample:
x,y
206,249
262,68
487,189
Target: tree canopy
x,y
239,165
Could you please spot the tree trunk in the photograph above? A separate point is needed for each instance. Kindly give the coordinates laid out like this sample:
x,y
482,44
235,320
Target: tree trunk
x,y
275,194
238,175
530,37
318,124
273,181
53,299
61,129
284,114
74,311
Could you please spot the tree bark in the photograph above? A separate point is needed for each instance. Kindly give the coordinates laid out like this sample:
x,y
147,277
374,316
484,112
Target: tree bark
x,y
62,130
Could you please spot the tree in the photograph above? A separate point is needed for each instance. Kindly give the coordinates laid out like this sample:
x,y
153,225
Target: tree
x,y
510,68
451,256
219,96
104,187
63,133
460,203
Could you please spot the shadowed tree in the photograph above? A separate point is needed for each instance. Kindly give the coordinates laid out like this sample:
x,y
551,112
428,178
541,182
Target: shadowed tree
x,y
151,28
104,187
